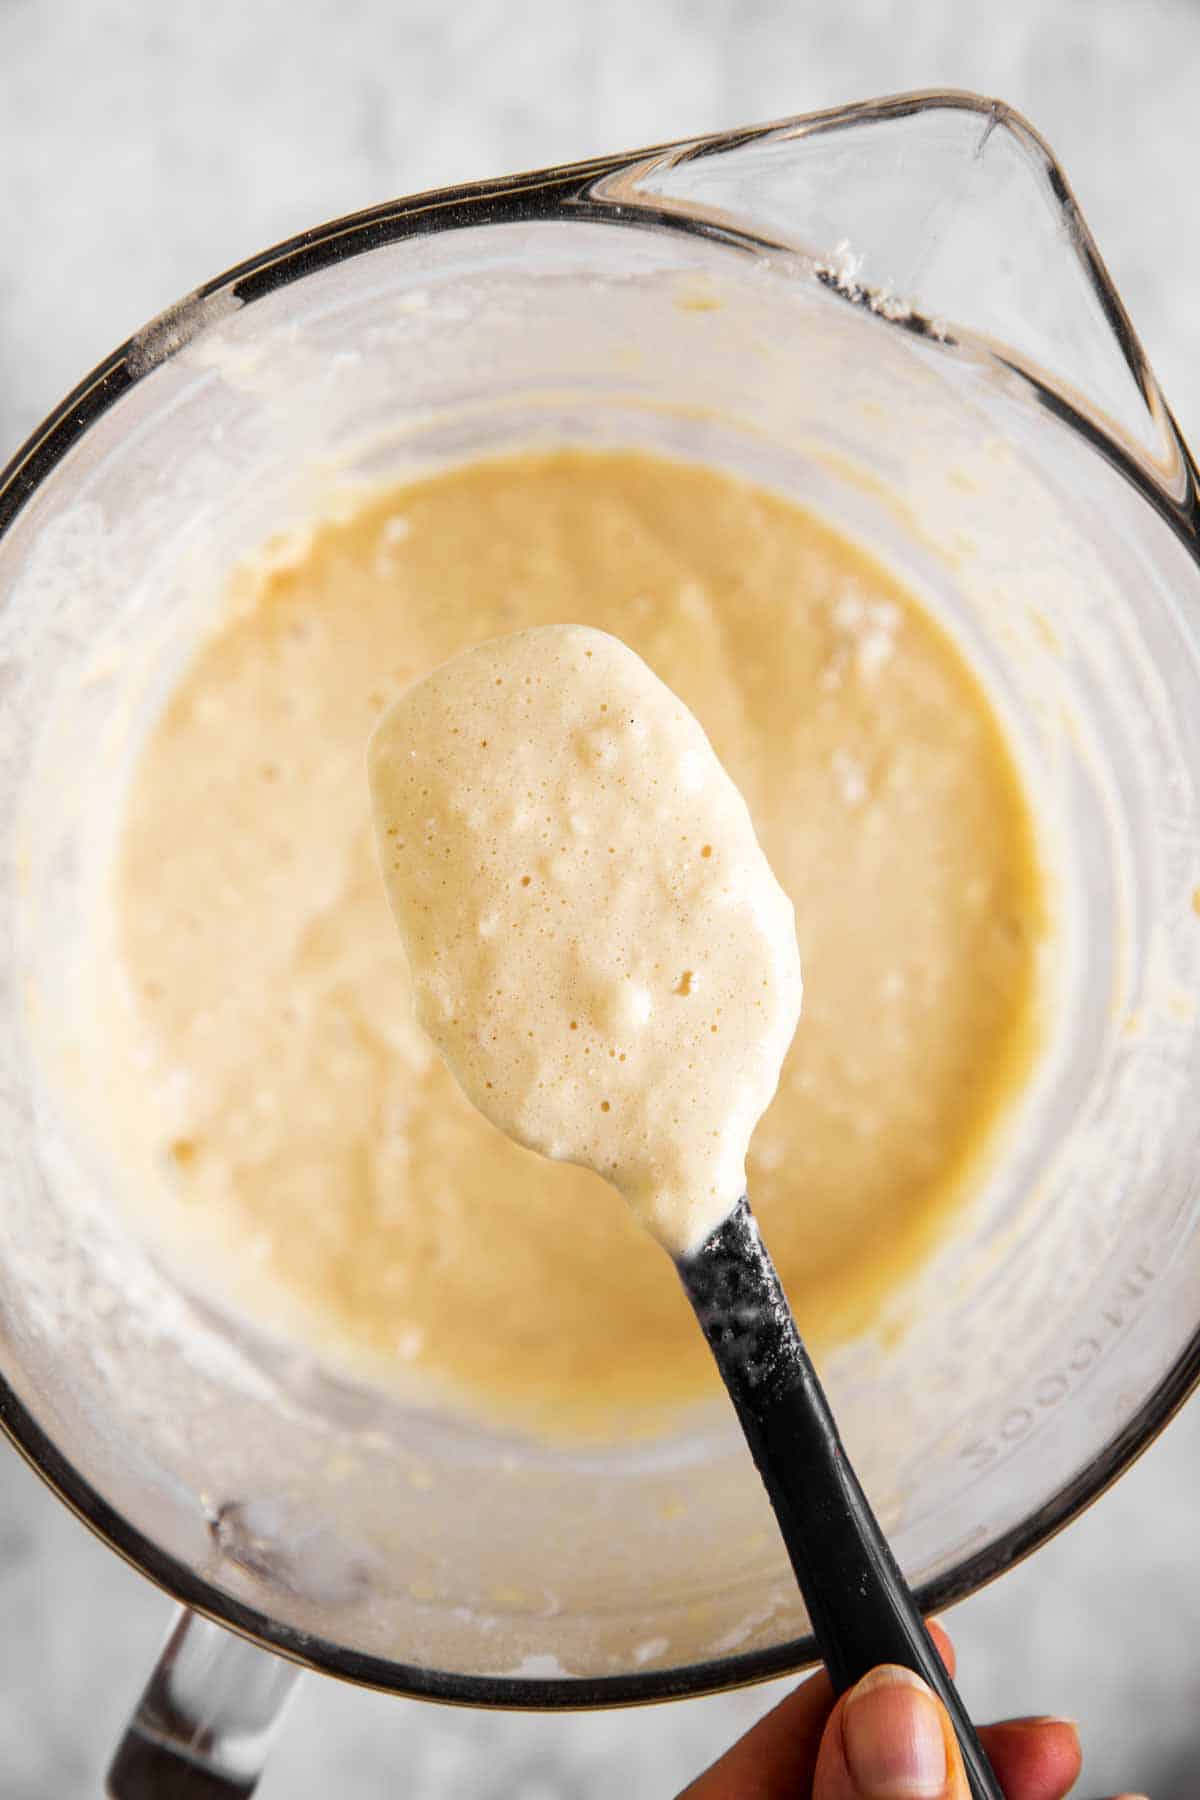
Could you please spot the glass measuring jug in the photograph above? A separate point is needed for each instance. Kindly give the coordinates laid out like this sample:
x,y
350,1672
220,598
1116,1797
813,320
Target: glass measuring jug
x,y
895,314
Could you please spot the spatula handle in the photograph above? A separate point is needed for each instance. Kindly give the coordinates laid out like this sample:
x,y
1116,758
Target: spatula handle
x,y
860,1605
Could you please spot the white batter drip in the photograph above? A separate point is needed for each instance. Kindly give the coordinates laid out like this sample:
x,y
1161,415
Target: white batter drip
x,y
596,940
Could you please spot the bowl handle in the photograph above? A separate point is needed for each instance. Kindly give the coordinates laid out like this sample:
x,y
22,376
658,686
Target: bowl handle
x,y
207,1717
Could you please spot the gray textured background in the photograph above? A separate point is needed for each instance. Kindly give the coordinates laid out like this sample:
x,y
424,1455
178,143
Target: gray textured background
x,y
144,147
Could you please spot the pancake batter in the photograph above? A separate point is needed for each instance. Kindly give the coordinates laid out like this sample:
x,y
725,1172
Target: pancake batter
x,y
596,941
302,1147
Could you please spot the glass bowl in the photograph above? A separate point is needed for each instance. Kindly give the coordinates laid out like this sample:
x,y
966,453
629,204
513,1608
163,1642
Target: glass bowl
x,y
894,314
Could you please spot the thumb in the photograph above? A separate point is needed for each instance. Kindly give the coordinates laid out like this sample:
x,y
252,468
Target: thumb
x,y
889,1738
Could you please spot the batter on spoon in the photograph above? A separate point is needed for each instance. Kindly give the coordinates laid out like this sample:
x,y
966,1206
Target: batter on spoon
x,y
597,943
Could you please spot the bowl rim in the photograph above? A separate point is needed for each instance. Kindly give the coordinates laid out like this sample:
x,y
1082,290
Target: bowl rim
x,y
544,195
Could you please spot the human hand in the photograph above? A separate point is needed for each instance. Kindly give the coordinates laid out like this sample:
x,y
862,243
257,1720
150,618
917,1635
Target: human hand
x,y
888,1738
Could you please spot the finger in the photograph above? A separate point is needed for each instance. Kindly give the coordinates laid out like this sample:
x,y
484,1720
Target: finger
x,y
889,1738
1034,1759
776,1758
945,1648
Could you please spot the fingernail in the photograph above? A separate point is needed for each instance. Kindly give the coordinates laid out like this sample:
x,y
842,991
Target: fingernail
x,y
892,1736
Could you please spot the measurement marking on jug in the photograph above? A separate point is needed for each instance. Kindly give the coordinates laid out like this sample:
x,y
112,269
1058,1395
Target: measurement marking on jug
x,y
1051,1388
